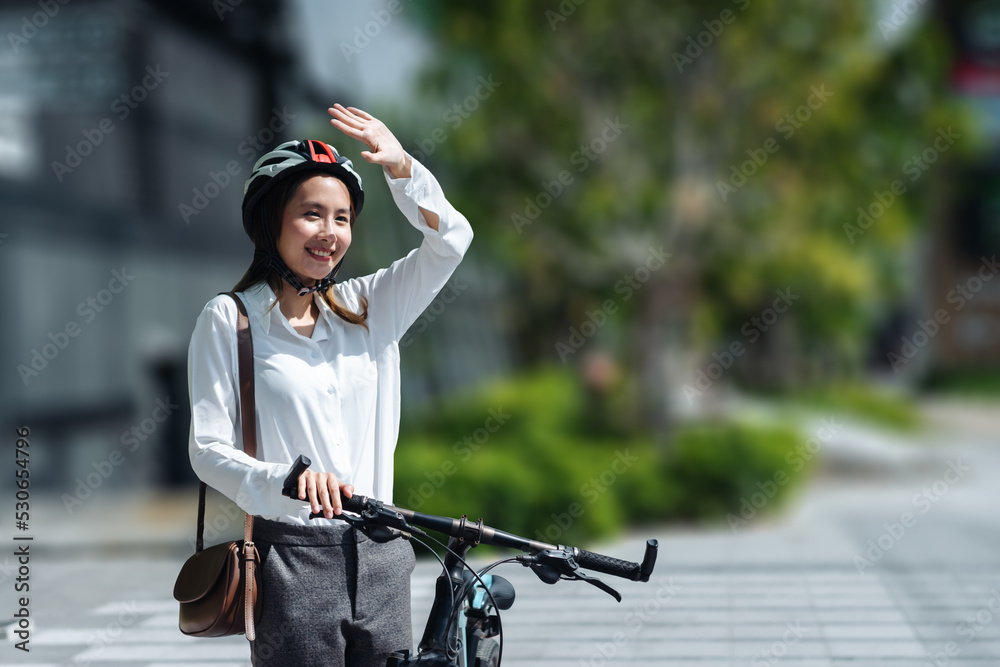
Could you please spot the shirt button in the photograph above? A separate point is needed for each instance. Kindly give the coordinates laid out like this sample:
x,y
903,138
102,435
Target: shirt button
x,y
315,355
330,389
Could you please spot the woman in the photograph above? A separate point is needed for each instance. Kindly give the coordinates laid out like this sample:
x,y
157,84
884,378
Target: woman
x,y
326,364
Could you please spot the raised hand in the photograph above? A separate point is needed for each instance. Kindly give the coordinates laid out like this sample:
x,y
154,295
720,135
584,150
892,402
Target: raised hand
x,y
383,148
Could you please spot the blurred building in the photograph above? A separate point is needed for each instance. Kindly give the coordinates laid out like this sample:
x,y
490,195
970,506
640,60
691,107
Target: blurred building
x,y
126,132
965,287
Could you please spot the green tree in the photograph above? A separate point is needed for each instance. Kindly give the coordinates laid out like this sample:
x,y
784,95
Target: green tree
x,y
740,135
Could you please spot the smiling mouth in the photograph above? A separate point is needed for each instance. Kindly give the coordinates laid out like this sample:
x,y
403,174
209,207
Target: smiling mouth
x,y
321,255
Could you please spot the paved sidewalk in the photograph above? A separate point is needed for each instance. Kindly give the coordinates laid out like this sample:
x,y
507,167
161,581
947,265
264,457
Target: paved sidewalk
x,y
897,568
844,579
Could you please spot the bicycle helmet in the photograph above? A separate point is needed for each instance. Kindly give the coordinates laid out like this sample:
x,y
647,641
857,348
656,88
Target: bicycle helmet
x,y
286,160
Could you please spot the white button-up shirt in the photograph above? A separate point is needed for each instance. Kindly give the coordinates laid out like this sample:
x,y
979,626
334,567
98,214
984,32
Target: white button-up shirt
x,y
333,397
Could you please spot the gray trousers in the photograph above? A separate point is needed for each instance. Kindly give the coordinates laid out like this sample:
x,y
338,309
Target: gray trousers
x,y
331,596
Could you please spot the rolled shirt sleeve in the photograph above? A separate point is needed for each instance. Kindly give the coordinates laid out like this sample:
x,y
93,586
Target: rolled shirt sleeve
x,y
401,292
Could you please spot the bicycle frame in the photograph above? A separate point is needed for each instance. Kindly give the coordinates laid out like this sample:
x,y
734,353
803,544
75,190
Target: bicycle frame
x,y
441,645
437,641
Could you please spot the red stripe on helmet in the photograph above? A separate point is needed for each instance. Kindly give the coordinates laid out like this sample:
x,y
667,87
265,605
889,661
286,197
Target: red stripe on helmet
x,y
324,154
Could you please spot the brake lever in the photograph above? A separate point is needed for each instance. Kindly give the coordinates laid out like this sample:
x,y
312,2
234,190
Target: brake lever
x,y
553,565
376,511
389,526
547,573
594,581
376,533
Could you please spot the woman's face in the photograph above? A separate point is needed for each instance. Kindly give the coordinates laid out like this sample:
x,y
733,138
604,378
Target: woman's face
x,y
316,227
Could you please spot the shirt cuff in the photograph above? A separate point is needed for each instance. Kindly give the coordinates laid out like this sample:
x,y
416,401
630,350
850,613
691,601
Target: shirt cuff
x,y
260,492
422,190
418,188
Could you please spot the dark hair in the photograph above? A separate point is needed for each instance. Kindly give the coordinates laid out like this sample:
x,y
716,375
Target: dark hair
x,y
272,208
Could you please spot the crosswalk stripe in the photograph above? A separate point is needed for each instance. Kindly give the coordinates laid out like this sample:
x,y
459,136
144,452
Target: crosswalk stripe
x,y
84,636
161,621
161,606
204,650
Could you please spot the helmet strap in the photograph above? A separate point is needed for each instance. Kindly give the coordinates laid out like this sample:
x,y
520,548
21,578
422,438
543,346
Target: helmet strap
x,y
272,258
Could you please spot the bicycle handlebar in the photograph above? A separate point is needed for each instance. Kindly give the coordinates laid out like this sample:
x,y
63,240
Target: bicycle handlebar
x,y
617,567
379,512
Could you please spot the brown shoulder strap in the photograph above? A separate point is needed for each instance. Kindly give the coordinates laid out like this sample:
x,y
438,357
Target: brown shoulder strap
x,y
248,419
247,408
248,415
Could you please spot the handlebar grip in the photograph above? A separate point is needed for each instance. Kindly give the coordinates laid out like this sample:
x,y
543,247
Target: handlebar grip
x,y
299,466
608,565
355,503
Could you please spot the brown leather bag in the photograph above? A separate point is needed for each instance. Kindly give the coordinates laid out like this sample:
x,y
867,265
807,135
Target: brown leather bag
x,y
218,588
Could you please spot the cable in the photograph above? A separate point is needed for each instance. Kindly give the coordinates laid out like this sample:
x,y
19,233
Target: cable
x,y
456,599
499,620
464,591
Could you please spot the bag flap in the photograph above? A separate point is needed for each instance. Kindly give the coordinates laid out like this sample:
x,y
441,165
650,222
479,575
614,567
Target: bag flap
x,y
201,571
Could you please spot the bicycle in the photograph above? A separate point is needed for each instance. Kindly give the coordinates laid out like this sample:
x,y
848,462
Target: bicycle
x,y
463,628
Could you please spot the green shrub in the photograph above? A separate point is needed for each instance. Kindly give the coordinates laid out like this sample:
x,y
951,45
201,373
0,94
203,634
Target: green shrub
x,y
713,467
863,401
546,473
977,383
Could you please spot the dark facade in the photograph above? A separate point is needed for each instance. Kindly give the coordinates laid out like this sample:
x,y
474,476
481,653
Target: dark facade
x,y
127,131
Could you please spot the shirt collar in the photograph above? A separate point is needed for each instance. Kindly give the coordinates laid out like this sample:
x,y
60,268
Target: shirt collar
x,y
260,297
323,321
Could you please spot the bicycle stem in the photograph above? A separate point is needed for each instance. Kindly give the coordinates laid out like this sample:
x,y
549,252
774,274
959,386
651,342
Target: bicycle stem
x,y
436,636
